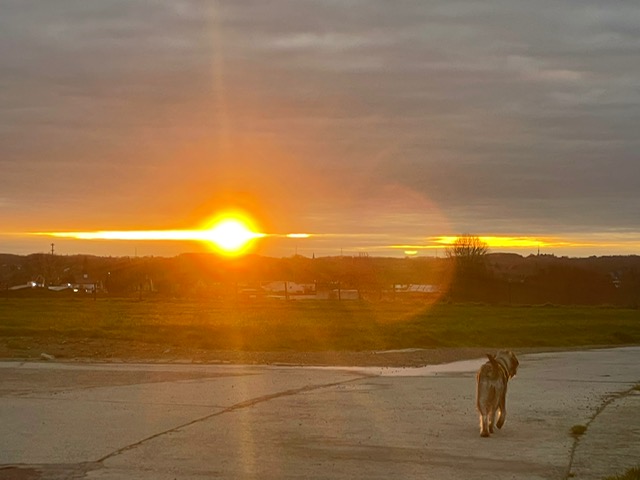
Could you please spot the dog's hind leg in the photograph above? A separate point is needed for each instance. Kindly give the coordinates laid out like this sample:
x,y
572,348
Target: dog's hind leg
x,y
492,419
484,422
503,409
501,418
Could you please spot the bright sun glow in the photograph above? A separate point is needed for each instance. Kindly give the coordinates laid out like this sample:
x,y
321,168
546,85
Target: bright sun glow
x,y
231,236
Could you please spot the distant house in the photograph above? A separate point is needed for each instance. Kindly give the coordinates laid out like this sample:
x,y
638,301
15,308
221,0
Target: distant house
x,y
31,284
59,288
415,290
292,288
339,294
86,284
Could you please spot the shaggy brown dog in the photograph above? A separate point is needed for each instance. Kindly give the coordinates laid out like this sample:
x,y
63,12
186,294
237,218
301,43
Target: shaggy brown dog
x,y
491,396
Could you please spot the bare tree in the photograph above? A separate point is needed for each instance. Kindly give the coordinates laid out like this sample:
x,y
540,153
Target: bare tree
x,y
467,246
468,252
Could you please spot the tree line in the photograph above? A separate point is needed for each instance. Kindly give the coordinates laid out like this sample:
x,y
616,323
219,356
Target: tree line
x,y
467,273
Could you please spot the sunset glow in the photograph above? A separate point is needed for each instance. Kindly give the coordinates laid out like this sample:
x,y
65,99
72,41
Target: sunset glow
x,y
334,142
234,234
507,242
229,234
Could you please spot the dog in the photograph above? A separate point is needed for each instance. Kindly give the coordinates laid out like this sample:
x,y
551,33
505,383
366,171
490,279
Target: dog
x,y
491,398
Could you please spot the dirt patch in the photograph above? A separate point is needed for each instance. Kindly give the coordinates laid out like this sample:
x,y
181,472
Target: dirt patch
x,y
48,472
19,473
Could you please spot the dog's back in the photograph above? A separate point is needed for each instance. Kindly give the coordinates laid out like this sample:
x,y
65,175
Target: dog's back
x,y
489,383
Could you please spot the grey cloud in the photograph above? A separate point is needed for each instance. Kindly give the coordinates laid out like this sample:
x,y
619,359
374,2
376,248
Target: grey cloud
x,y
471,103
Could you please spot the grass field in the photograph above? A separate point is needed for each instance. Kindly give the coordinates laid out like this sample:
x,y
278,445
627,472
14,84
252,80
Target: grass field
x,y
281,326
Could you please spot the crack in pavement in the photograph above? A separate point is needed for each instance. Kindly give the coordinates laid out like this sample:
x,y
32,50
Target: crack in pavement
x,y
79,470
608,401
232,408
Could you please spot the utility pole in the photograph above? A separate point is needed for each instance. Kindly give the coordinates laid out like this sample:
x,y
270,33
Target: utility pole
x,y
52,248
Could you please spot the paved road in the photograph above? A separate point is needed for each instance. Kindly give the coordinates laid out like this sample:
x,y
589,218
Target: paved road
x,y
115,421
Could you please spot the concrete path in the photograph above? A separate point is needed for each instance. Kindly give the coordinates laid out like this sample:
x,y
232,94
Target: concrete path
x,y
117,421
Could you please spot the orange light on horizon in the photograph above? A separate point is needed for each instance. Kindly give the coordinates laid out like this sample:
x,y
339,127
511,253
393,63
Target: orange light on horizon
x,y
230,233
495,242
507,242
234,233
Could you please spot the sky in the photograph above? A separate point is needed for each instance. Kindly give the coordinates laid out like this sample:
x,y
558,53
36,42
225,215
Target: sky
x,y
375,127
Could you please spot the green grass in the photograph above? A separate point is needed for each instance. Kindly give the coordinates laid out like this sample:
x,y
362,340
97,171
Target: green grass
x,y
315,325
578,430
631,474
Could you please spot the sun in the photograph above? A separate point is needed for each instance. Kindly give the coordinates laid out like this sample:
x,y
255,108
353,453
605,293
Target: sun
x,y
231,235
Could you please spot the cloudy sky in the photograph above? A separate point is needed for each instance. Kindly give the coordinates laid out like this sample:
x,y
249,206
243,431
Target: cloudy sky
x,y
377,126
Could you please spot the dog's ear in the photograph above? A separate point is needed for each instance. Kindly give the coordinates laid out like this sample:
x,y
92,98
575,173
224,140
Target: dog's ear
x,y
514,364
494,362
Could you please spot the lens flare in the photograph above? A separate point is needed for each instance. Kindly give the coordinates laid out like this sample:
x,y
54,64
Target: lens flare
x,y
231,235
